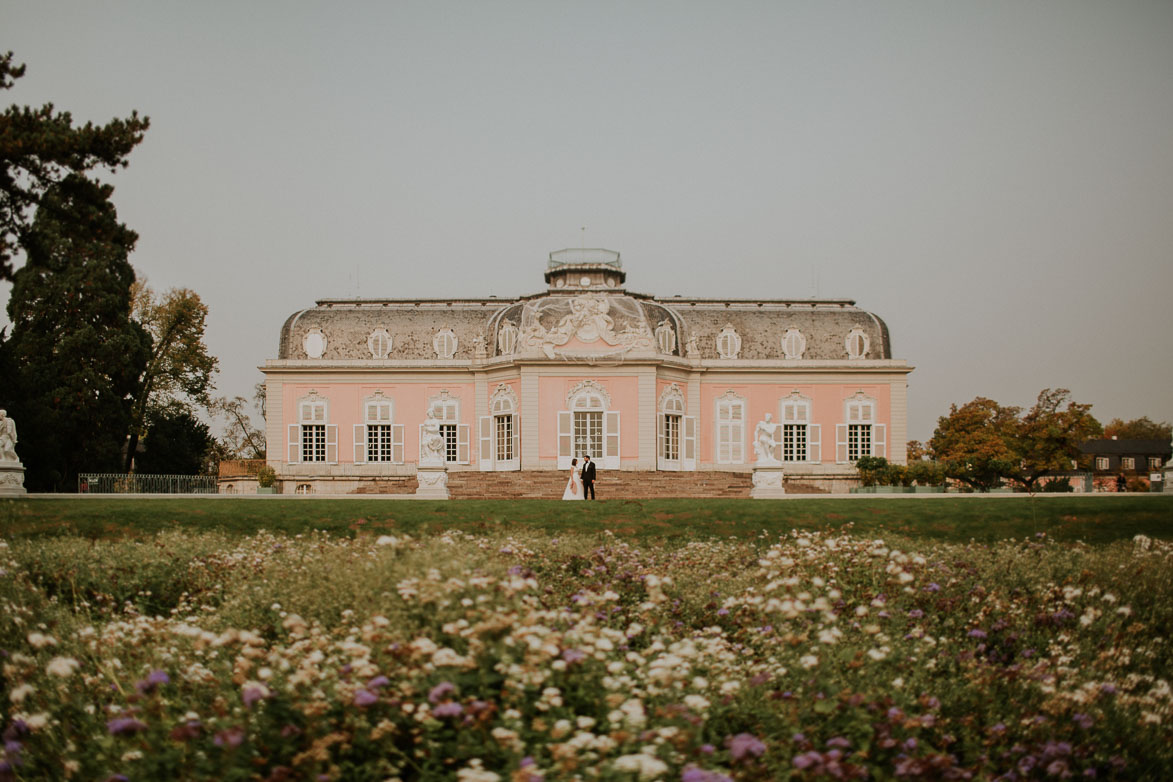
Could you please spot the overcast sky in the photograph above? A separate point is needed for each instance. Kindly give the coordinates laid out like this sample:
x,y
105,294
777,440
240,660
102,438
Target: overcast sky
x,y
992,178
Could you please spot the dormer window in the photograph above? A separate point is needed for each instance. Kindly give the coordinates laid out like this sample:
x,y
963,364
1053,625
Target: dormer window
x,y
379,343
857,344
728,342
314,343
444,343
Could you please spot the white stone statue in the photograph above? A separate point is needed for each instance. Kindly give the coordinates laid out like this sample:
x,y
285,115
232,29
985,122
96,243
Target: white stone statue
x,y
765,442
433,442
7,438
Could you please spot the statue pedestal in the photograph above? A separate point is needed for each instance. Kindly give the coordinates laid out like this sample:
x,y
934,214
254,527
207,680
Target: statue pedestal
x,y
433,482
11,479
767,483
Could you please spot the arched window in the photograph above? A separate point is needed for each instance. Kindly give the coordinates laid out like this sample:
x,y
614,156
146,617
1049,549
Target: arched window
x,y
666,337
676,432
499,432
378,438
857,344
730,428
800,438
793,344
446,409
313,438
507,338
728,342
588,426
444,343
860,435
314,343
379,343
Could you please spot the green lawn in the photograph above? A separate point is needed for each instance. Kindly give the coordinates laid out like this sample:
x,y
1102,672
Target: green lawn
x,y
1090,519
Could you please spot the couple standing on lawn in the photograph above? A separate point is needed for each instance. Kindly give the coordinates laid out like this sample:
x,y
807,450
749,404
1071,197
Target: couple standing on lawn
x,y
581,481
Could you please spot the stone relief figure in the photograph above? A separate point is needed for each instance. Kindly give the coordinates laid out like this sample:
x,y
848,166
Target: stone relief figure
x,y
590,318
691,348
432,442
764,441
7,438
478,346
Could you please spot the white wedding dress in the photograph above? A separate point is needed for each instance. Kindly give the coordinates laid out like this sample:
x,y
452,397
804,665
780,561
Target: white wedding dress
x,y
573,485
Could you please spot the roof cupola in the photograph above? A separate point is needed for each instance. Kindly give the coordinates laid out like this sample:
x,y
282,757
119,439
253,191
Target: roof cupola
x,y
587,268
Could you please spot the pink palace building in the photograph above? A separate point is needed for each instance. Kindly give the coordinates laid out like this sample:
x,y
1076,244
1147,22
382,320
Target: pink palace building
x,y
646,385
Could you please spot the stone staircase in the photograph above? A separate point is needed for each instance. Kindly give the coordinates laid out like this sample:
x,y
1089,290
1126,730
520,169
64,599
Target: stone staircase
x,y
611,485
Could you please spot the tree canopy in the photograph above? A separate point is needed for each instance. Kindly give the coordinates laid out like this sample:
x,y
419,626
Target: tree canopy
x,y
1139,429
179,365
40,149
982,442
75,357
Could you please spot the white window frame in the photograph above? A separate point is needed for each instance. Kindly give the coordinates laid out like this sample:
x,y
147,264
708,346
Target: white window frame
x,y
380,343
1101,462
859,411
671,451
589,397
793,344
666,337
445,343
378,411
1127,462
446,410
857,344
728,342
502,416
313,411
796,411
1154,462
729,433
507,334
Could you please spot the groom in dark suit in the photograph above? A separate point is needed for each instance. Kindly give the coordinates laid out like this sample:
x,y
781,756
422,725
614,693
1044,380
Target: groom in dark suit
x,y
588,478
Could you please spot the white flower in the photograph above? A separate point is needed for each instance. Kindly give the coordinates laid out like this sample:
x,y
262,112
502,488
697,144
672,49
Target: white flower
x,y
808,661
18,694
40,640
62,666
476,773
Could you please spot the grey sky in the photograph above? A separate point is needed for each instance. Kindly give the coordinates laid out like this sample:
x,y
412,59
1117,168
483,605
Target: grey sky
x,y
994,179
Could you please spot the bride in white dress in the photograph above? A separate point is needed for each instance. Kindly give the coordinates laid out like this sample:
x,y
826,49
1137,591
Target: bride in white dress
x,y
574,483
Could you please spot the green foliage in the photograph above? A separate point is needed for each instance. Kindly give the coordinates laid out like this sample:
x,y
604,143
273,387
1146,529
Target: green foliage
x,y
39,150
1139,429
179,368
925,473
1048,437
1058,486
871,469
75,355
266,477
177,443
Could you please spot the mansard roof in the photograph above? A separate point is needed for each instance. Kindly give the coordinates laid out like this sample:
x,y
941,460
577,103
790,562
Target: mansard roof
x,y
577,317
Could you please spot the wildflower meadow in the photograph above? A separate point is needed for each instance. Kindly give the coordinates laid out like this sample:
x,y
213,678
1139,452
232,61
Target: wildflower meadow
x,y
525,656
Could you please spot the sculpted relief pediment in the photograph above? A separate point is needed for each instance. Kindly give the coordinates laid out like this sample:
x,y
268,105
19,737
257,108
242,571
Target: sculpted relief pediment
x,y
586,325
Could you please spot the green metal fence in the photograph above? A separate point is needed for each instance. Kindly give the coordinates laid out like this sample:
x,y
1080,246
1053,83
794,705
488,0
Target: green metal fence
x,y
134,483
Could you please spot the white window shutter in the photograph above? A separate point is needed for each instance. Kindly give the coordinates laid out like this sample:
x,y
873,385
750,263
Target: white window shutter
x,y
814,444
565,436
360,443
294,452
485,457
462,444
332,443
879,441
689,462
841,443
517,441
660,440
611,440
397,443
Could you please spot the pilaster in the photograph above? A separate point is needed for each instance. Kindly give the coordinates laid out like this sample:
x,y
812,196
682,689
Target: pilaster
x,y
529,418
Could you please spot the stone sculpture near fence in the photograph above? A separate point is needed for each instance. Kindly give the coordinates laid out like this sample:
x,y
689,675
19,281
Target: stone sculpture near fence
x,y
11,470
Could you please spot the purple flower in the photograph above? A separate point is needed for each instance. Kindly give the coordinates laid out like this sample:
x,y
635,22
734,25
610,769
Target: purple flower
x,y
1083,721
1108,689
117,778
573,655
723,612
253,692
708,749
125,726
364,698
377,682
976,633
915,613
743,745
154,679
449,709
439,691
838,741
806,760
933,587
232,737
